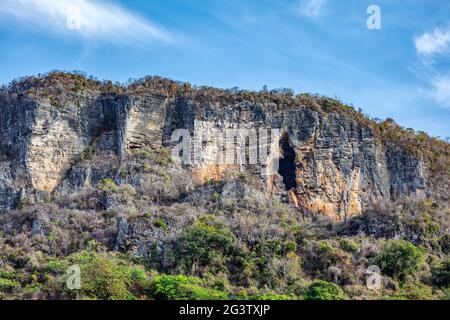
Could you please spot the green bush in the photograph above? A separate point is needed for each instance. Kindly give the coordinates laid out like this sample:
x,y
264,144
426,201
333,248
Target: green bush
x,y
264,263
166,287
6,285
106,184
319,256
444,242
160,224
399,258
412,291
107,278
272,248
417,291
322,290
348,245
202,243
446,294
441,274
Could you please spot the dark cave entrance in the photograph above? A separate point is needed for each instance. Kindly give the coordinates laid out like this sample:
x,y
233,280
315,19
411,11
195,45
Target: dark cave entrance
x,y
287,164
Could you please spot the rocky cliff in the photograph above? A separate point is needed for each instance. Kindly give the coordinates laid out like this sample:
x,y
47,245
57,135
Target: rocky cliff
x,y
333,160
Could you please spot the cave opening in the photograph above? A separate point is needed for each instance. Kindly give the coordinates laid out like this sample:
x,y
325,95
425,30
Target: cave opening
x,y
287,164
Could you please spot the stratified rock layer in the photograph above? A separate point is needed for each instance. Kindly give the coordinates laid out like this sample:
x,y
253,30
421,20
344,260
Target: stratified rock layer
x,y
338,165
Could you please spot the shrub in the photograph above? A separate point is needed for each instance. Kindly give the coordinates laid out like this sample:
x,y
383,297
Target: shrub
x,y
322,290
348,245
399,258
106,278
444,242
159,223
106,184
417,291
55,265
321,255
446,294
166,287
275,247
441,274
276,263
6,285
202,243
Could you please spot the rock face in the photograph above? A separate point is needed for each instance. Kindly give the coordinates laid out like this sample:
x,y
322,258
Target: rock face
x,y
331,164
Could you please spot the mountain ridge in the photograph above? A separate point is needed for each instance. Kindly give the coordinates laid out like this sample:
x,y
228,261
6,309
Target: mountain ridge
x,y
91,110
88,180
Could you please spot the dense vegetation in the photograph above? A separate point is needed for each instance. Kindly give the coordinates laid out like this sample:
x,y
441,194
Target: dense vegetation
x,y
188,240
203,245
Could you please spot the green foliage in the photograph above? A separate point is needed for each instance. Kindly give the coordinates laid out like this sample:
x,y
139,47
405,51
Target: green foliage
x,y
320,255
202,243
322,290
441,274
446,294
32,288
54,103
160,156
270,254
348,245
275,247
215,196
164,157
106,184
106,278
159,223
399,258
142,153
55,265
416,291
7,285
444,243
166,287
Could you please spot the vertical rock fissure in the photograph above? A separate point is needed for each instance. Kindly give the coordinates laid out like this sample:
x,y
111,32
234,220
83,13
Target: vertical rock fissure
x,y
287,164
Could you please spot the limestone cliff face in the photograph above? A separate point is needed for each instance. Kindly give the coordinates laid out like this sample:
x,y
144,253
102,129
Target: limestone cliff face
x,y
331,164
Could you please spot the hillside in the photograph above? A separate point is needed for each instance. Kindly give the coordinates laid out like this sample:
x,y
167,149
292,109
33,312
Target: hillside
x,y
87,178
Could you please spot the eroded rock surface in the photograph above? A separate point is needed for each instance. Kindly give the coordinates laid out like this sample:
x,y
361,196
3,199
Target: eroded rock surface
x,y
336,166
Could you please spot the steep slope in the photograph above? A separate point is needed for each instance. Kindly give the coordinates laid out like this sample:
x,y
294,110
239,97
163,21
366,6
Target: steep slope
x,y
339,166
87,178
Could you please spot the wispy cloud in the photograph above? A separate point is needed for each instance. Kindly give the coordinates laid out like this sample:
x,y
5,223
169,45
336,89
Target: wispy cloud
x,y
433,48
433,43
441,90
88,19
311,8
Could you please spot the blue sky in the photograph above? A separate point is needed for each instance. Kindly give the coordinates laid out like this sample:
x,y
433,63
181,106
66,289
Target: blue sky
x,y
320,46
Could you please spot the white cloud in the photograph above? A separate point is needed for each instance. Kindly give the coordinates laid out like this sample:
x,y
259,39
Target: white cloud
x,y
88,19
433,48
441,91
433,43
311,8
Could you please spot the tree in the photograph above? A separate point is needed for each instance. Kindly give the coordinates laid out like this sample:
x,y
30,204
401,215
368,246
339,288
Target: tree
x,y
322,290
399,258
202,243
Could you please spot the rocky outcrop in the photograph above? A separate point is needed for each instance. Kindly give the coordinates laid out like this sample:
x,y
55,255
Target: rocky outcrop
x,y
331,163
